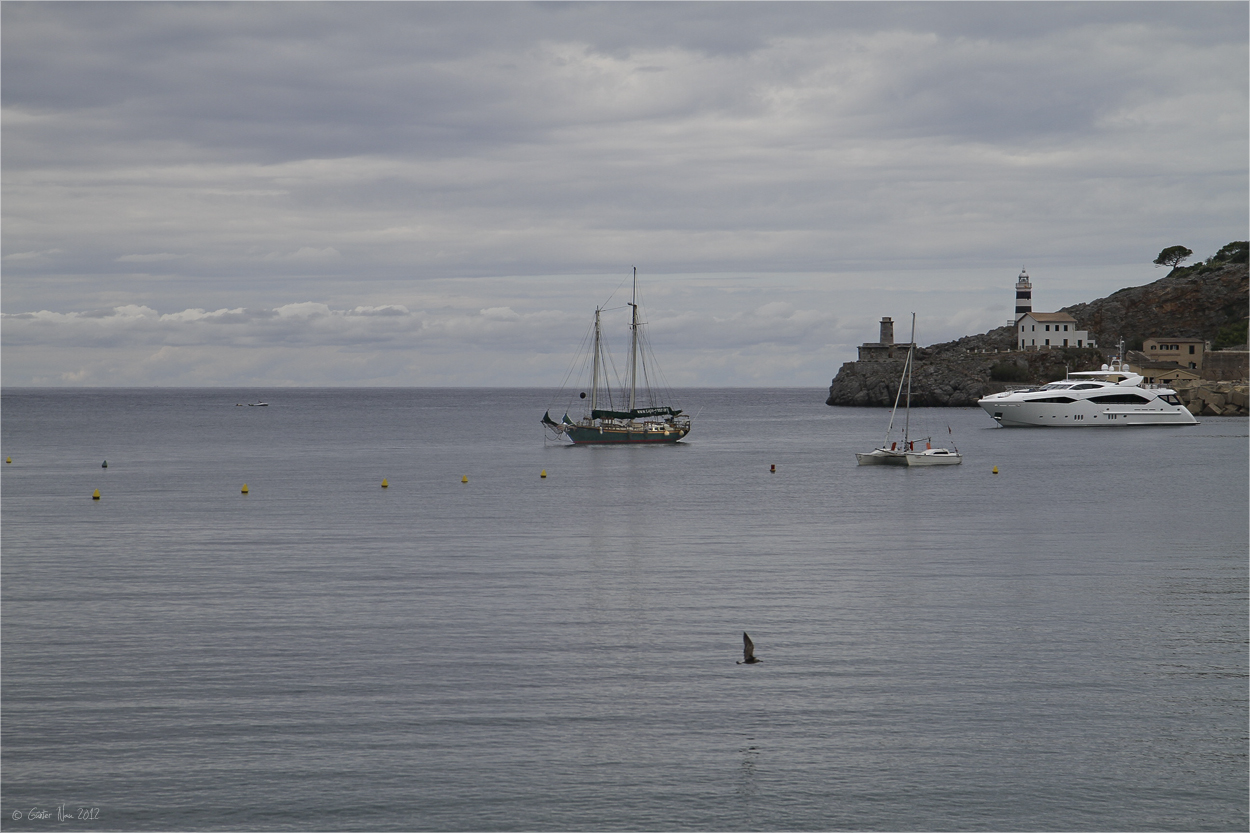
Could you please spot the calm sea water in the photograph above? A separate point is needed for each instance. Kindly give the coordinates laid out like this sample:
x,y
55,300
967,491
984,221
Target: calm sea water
x,y
1060,646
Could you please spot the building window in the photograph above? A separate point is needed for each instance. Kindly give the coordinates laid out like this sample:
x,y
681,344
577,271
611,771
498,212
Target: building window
x,y
1065,328
1191,349
1065,342
1048,328
1078,342
1047,342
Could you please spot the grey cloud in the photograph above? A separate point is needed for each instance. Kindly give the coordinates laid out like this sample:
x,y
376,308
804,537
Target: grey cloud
x,y
241,157
273,82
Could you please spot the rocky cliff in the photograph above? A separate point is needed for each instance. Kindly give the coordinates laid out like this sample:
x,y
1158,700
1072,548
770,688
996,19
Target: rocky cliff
x,y
1192,302
954,375
1195,302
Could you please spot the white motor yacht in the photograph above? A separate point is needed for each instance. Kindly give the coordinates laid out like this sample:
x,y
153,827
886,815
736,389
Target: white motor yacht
x,y
1111,396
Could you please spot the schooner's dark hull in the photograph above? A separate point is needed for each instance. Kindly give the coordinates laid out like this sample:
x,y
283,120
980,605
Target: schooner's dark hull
x,y
612,435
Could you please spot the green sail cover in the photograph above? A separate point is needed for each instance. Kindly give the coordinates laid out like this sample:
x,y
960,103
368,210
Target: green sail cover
x,y
634,414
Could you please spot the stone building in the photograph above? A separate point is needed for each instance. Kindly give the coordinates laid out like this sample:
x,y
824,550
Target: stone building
x,y
1159,373
884,350
1186,352
1043,330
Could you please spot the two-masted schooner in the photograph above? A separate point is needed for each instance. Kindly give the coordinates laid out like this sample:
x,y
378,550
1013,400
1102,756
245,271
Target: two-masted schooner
x,y
652,423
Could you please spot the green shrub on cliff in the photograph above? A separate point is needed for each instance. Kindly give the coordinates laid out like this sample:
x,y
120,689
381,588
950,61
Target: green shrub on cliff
x,y
1173,256
1009,372
1231,335
1235,252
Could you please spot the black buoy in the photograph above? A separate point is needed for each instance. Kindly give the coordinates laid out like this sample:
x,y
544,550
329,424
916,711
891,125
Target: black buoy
x,y
105,464
583,394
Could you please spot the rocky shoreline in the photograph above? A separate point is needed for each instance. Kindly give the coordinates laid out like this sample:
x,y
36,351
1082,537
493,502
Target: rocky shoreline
x,y
1196,302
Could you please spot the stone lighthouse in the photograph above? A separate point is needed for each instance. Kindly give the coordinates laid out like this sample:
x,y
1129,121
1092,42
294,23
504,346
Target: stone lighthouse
x,y
1024,295
885,349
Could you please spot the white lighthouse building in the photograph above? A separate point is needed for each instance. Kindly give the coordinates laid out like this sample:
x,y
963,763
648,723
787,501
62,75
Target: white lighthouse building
x,y
1043,330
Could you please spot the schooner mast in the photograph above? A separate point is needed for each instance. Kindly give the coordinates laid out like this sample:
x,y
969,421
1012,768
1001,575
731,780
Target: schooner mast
x,y
594,378
633,341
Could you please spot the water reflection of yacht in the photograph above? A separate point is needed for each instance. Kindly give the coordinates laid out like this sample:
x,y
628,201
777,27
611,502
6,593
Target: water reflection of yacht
x,y
1111,396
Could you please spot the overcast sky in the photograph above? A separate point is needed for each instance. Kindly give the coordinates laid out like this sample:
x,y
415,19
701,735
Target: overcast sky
x,y
440,194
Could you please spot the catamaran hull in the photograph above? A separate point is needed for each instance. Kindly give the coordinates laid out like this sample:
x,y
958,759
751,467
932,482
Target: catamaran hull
x,y
928,457
617,436
934,457
882,457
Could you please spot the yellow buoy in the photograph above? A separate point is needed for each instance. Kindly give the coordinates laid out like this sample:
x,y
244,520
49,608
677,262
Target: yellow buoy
x,y
244,488
384,483
544,474
95,495
996,470
8,459
464,479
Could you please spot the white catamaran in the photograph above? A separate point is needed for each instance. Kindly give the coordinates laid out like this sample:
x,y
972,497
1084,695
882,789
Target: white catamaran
x,y
904,452
655,423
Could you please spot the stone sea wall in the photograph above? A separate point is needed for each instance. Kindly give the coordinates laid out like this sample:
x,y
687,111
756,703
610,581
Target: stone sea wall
x,y
957,374
1210,399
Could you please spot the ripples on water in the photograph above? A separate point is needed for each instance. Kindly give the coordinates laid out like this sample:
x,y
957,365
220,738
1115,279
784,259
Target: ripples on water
x,y
1061,646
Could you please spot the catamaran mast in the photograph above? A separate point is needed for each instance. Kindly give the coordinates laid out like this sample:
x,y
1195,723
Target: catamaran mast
x,y
911,349
633,342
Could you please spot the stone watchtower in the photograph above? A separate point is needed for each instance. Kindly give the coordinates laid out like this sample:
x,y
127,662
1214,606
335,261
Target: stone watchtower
x,y
885,349
1024,295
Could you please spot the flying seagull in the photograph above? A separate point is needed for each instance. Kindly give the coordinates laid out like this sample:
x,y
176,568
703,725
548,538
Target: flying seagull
x,y
748,651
